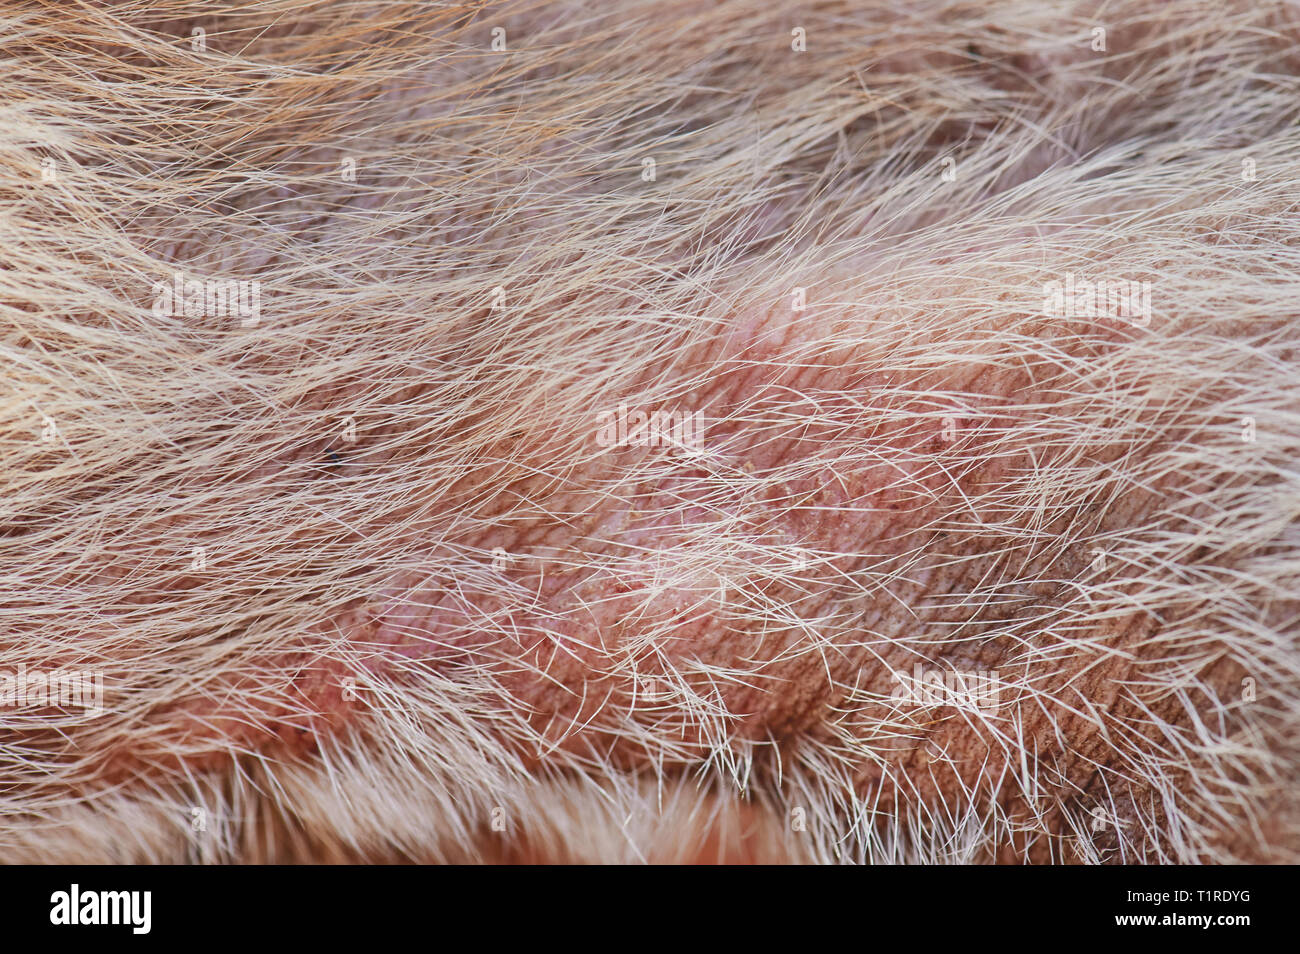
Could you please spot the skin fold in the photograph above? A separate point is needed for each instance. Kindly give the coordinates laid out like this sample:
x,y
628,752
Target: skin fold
x,y
651,432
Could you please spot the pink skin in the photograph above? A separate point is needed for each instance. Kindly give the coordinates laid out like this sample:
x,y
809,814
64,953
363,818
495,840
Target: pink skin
x,y
614,568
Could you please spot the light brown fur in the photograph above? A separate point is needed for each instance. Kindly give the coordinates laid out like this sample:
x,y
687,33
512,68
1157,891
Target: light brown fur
x,y
434,619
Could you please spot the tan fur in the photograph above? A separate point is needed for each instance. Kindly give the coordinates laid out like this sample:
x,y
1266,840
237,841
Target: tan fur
x,y
428,601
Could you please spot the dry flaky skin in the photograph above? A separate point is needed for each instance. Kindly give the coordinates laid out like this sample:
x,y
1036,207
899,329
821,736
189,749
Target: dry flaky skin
x,y
472,632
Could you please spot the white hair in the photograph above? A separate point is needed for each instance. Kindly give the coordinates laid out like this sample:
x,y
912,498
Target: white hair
x,y
360,577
